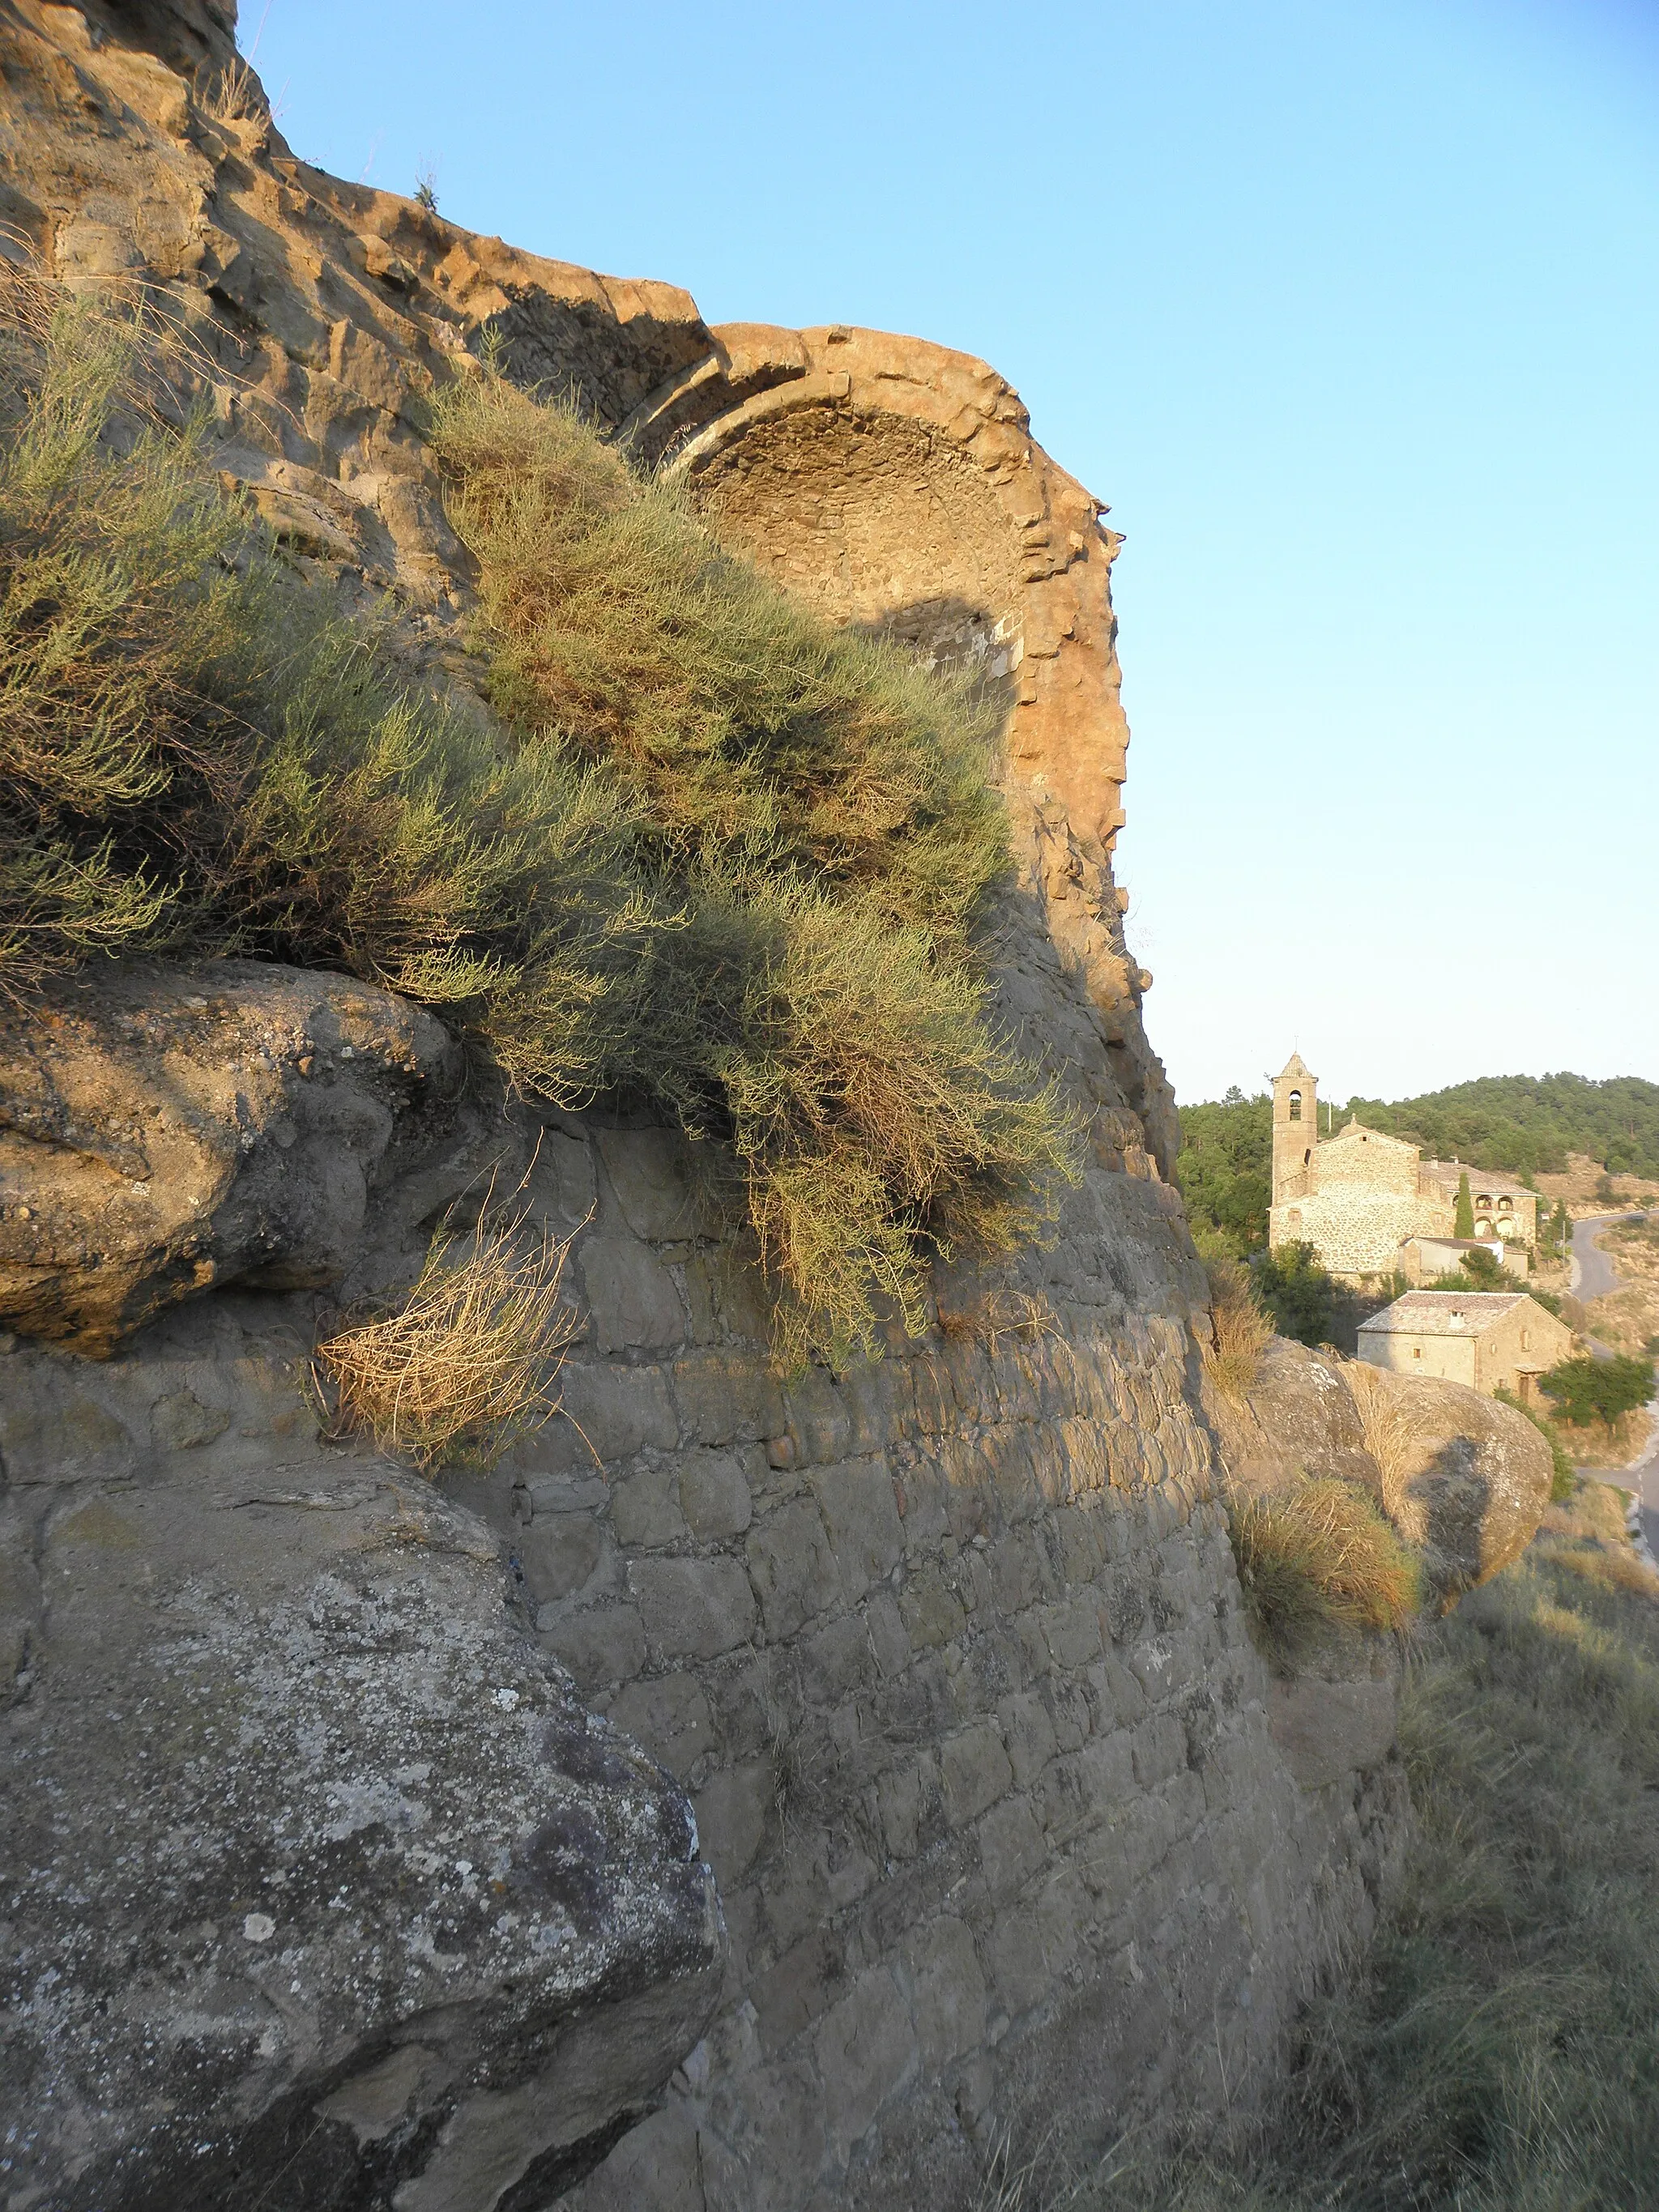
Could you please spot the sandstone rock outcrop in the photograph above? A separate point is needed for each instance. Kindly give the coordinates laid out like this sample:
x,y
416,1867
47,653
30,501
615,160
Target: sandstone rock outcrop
x,y
165,1129
322,1887
947,1653
1462,1477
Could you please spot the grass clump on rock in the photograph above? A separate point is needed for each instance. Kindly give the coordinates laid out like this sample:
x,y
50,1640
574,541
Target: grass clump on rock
x,y
717,856
1318,1557
467,1363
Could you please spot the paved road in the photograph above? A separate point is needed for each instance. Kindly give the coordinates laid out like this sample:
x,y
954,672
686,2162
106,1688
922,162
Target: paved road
x,y
1593,1276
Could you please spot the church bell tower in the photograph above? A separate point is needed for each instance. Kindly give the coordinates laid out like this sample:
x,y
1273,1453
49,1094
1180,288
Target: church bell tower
x,y
1295,1132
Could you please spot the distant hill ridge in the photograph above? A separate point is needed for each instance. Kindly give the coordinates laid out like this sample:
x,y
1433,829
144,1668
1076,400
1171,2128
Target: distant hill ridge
x,y
1525,1124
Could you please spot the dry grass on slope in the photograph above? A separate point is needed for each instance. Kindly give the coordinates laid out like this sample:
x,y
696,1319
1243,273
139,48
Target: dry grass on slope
x,y
726,860
1239,1330
1502,2053
1317,1557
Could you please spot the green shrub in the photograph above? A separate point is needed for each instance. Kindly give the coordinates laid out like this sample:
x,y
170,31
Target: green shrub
x,y
1587,1389
727,858
1563,1479
820,811
1300,1296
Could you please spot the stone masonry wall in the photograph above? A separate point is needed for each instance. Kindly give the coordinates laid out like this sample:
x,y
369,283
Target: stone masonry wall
x,y
948,1651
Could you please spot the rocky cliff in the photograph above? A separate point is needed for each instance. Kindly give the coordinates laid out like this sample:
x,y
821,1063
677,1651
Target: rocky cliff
x,y
365,1832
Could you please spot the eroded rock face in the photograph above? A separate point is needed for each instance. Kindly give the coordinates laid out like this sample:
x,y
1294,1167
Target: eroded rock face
x,y
165,1129
322,1887
1462,1477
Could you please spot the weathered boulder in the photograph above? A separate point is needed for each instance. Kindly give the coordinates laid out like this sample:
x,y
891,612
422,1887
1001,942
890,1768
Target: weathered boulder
x,y
322,1889
163,1128
1461,1476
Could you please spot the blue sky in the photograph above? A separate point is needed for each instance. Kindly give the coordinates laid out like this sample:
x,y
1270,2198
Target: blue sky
x,y
1351,310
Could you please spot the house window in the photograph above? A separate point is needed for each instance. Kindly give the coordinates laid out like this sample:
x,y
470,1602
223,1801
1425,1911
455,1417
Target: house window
x,y
1296,1105
1484,1200
1417,1352
1526,1339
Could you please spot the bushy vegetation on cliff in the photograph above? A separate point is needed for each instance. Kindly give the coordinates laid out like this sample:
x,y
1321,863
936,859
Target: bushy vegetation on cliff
x,y
717,856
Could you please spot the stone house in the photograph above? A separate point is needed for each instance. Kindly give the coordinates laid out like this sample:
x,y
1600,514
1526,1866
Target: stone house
x,y
1370,1203
1487,1340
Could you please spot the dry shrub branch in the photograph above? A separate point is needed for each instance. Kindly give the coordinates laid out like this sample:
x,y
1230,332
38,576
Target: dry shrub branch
x,y
469,1364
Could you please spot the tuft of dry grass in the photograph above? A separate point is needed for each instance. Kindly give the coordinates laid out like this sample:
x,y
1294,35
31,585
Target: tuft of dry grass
x,y
1239,1330
1021,1314
1318,1557
1386,1424
467,1365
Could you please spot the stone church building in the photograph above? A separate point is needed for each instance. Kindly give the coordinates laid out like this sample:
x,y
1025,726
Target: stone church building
x,y
1370,1204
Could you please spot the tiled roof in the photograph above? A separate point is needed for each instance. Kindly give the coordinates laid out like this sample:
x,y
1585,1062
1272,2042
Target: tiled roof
x,y
1496,1180
1445,1313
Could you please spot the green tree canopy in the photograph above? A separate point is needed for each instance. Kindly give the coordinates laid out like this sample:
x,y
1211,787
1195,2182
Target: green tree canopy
x,y
1463,1219
1589,1390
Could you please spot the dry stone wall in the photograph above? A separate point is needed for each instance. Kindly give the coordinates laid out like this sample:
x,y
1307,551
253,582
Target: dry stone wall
x,y
948,1651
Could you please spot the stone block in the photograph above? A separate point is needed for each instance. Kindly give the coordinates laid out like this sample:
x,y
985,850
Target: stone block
x,y
734,1809
818,1423
781,2135
183,1423
899,1798
1012,1846
793,1567
865,1529
671,1717
644,1509
800,1988
655,2166
604,1644
948,2004
1028,1733
1159,1749
620,1410
1072,1629
887,1637
975,1771
867,2052
635,1303
558,1554
930,1610
1013,1954
692,1608
714,1495
726,1399
836,1660
647,1173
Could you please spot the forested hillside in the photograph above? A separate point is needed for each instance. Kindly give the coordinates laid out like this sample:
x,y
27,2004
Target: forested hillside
x,y
1529,1123
1526,1123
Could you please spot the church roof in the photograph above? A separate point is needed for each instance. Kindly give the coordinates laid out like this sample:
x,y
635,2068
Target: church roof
x,y
1355,1131
1445,1313
1297,1069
